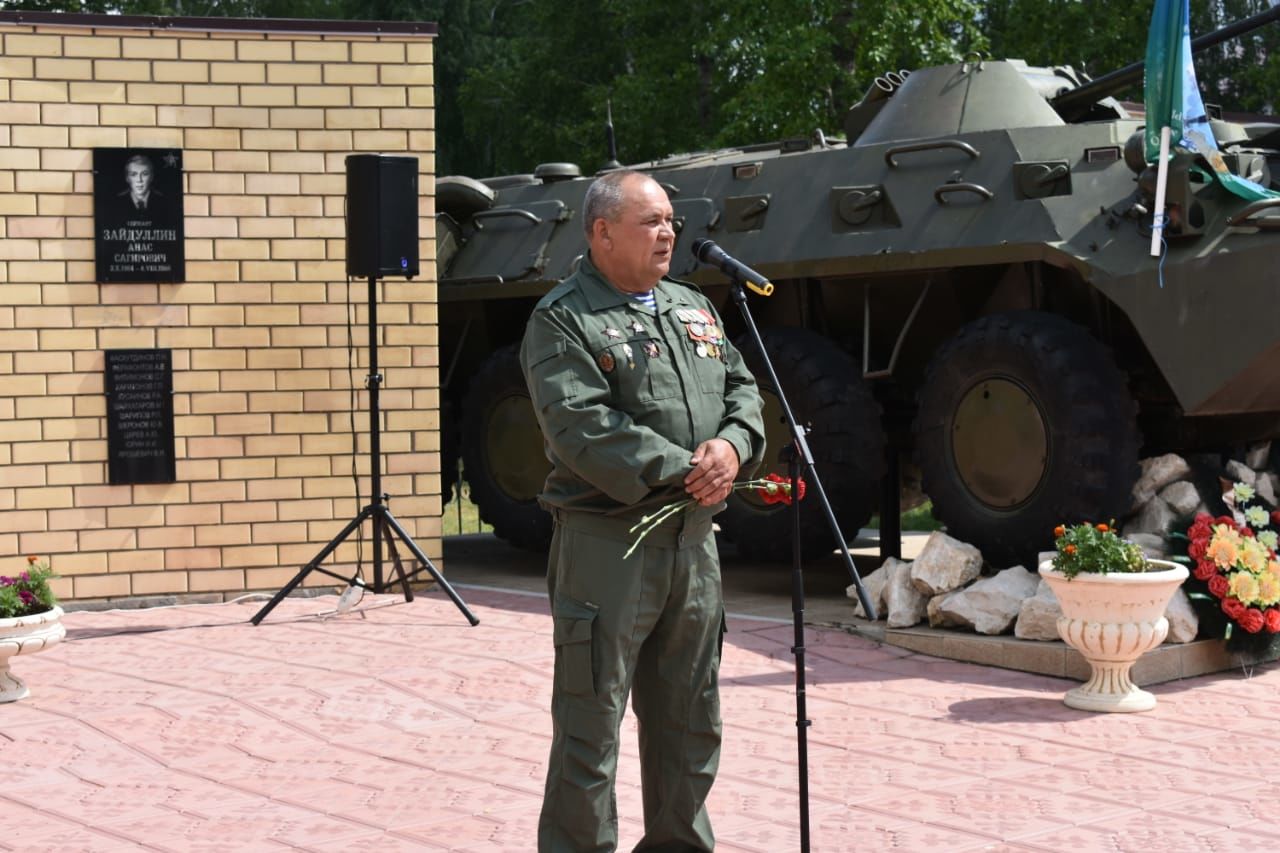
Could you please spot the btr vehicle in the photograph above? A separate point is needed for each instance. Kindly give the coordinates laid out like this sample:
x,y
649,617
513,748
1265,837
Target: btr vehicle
x,y
965,282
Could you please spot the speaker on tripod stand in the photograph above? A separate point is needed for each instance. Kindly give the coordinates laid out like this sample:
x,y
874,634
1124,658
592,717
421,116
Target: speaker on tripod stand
x,y
382,240
382,216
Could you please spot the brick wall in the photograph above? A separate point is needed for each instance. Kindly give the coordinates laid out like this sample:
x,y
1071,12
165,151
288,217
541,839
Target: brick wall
x,y
258,330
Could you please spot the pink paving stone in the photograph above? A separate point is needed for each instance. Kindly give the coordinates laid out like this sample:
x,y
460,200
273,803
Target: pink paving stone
x,y
1136,832
398,727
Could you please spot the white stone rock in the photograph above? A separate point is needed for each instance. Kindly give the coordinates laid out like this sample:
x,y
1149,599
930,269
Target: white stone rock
x,y
906,606
1258,456
1266,487
1183,622
1155,517
874,583
1155,547
1182,496
992,604
1038,618
945,564
939,619
1158,472
1239,472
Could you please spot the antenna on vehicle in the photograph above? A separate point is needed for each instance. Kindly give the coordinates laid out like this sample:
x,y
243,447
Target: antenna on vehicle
x,y
610,142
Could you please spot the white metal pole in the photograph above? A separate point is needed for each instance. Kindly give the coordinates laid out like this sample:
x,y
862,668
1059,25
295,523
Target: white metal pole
x,y
1162,178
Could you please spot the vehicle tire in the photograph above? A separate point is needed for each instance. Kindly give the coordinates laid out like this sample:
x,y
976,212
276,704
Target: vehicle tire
x,y
827,394
1025,423
502,453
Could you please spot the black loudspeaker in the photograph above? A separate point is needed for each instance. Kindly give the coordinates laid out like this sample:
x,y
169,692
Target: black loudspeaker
x,y
382,216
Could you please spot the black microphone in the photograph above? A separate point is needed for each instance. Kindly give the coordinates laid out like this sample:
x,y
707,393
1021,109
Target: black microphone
x,y
708,252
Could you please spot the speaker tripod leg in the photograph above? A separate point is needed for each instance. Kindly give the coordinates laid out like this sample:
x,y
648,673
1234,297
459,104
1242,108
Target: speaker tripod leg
x,y
395,561
314,565
426,564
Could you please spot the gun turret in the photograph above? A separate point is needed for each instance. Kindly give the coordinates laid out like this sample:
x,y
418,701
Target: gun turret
x,y
1075,103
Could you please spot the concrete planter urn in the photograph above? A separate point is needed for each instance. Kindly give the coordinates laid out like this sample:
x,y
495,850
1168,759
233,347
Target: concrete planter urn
x,y
1112,619
24,635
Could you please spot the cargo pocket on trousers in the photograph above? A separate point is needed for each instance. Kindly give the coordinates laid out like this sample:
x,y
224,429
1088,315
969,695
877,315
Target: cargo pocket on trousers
x,y
573,623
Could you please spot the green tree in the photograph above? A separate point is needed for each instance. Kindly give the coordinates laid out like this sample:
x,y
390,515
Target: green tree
x,y
1097,37
685,76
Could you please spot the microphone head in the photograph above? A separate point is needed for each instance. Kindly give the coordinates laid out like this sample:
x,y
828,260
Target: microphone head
x,y
700,246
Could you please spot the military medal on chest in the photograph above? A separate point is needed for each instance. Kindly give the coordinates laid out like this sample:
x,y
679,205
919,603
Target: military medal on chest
x,y
703,331
606,362
630,354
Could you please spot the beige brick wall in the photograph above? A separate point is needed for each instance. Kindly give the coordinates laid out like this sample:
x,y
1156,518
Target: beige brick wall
x,y
258,329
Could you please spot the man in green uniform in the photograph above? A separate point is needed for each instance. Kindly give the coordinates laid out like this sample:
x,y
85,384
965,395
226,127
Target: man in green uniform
x,y
642,402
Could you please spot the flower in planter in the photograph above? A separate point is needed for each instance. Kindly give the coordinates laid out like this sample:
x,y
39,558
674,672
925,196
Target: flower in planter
x,y
27,593
1095,548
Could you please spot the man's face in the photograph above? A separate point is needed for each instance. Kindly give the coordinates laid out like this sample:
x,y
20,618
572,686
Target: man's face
x,y
634,251
138,176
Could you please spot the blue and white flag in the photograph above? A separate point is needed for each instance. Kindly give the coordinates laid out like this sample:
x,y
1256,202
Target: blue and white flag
x,y
1172,98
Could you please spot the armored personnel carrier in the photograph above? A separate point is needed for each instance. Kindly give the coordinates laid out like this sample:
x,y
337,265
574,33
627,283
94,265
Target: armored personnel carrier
x,y
964,280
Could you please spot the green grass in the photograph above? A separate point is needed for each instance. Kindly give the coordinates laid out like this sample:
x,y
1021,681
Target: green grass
x,y
919,519
462,516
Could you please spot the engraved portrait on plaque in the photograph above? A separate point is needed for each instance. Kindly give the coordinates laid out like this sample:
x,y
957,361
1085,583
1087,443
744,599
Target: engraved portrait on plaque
x,y
137,215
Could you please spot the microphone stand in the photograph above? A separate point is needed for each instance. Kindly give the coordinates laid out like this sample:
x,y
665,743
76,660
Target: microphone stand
x,y
799,463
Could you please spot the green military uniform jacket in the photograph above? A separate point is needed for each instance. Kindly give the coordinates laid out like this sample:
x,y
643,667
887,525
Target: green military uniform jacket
x,y
624,396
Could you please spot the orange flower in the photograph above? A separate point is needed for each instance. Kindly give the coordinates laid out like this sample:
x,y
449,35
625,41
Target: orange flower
x,y
32,559
1059,531
1070,549
1102,528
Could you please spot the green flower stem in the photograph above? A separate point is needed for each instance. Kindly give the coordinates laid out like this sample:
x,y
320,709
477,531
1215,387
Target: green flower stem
x,y
649,523
655,520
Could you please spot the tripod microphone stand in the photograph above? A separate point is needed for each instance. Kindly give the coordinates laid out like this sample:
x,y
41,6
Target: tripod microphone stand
x,y
800,465
384,523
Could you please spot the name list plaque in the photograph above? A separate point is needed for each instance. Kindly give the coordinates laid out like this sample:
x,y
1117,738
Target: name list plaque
x,y
139,386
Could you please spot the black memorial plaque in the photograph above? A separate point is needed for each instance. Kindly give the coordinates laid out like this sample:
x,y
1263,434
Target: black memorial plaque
x,y
139,385
137,215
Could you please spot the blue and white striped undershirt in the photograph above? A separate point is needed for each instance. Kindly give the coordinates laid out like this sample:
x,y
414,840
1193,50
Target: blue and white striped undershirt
x,y
648,300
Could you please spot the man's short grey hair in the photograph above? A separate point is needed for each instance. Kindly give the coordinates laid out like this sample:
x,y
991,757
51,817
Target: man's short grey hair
x,y
604,198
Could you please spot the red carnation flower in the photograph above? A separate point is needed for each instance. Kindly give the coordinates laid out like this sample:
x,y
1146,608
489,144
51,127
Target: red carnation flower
x,y
1196,549
1202,527
780,495
1247,532
1272,620
1205,569
1227,520
1233,608
1275,516
1251,620
1219,586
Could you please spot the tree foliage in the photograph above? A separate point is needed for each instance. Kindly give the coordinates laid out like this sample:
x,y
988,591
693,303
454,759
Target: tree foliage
x,y
684,76
521,82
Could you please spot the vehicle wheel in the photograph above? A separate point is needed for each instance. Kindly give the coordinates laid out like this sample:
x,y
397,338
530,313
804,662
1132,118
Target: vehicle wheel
x,y
827,393
502,454
1025,423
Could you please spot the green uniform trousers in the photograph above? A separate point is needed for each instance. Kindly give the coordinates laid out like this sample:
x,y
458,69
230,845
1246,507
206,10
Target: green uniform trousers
x,y
652,626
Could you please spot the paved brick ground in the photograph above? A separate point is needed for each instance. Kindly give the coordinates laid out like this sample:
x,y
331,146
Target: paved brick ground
x,y
399,727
